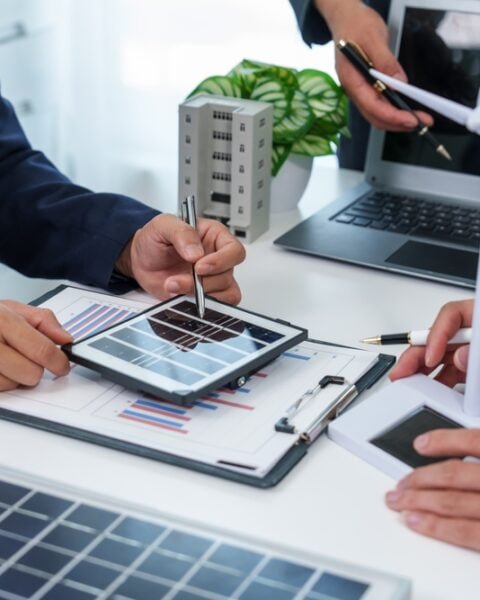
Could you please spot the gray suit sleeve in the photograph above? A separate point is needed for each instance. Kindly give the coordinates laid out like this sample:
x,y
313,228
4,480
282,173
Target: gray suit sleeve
x,y
312,26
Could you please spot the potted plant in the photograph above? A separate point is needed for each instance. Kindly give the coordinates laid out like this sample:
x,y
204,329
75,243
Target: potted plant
x,y
309,114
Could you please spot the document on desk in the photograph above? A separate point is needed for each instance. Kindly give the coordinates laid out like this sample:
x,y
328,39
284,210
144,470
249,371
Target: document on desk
x,y
228,430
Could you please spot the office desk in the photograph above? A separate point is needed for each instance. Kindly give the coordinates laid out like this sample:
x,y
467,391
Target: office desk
x,y
332,502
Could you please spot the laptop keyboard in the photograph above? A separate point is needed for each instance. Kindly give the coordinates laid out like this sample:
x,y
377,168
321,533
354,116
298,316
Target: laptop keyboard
x,y
414,216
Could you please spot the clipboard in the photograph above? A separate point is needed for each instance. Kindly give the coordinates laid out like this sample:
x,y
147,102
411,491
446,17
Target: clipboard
x,y
292,446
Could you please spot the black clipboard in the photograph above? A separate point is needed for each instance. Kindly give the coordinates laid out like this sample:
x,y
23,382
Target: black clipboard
x,y
293,456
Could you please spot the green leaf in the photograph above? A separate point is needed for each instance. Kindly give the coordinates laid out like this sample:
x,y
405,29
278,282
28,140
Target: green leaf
x,y
219,85
323,94
270,89
313,145
280,154
296,122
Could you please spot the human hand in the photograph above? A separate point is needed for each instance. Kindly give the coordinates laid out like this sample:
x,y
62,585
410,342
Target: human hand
x,y
353,21
161,254
28,338
424,359
443,500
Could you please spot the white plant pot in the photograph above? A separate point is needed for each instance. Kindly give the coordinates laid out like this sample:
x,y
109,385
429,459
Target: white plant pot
x,y
289,183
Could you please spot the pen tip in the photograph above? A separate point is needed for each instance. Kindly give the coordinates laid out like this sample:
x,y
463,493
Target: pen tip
x,y
444,152
371,340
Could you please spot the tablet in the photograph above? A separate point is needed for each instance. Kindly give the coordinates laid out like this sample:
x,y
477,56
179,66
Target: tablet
x,y
172,353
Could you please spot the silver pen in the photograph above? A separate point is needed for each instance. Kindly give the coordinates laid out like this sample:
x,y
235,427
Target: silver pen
x,y
189,215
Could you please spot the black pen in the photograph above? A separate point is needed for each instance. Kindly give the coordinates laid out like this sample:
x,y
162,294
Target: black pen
x,y
417,338
363,64
189,214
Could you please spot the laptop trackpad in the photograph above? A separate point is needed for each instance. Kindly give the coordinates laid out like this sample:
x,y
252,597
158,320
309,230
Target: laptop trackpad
x,y
439,259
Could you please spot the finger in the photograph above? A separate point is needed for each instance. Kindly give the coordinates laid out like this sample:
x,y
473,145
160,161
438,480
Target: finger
x,y
222,287
42,319
450,319
449,442
17,368
410,362
7,384
446,503
376,109
35,346
226,253
448,474
461,532
172,230
460,358
449,375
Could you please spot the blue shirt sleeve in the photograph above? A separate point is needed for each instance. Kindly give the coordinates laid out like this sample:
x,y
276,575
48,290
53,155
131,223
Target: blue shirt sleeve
x,y
53,228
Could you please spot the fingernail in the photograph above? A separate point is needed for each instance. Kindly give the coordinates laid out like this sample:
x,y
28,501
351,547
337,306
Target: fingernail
x,y
429,358
421,442
394,496
461,358
410,123
400,75
402,484
413,519
193,251
172,287
204,269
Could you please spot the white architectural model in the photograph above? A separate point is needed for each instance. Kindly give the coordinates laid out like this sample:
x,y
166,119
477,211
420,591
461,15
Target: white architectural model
x,y
225,147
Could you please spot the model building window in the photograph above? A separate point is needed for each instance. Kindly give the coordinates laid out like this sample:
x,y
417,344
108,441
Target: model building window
x,y
242,126
240,189
261,143
188,119
188,139
242,147
241,169
188,160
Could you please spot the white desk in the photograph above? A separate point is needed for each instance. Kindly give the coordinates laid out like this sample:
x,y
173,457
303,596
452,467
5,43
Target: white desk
x,y
332,502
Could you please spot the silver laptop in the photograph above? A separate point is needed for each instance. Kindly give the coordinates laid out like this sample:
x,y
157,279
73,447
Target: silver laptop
x,y
415,213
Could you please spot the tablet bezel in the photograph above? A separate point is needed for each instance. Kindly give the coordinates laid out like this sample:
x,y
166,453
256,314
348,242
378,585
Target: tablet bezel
x,y
115,369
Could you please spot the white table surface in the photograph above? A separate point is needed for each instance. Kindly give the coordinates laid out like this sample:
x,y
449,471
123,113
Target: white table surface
x,y
332,503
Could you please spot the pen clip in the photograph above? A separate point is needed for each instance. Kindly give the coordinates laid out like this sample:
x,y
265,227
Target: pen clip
x,y
361,53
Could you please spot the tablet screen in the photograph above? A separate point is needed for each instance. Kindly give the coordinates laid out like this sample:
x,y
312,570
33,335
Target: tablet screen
x,y
171,348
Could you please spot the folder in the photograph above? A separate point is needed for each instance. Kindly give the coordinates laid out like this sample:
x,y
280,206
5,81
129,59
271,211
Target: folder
x,y
253,435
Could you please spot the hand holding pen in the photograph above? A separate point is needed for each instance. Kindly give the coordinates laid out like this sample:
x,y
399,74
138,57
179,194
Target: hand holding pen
x,y
353,20
361,62
439,351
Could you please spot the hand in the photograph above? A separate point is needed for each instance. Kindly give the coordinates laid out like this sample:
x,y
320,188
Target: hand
x,y
443,500
28,338
352,20
424,359
161,254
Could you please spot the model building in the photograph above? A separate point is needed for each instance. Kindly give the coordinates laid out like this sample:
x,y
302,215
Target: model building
x,y
225,147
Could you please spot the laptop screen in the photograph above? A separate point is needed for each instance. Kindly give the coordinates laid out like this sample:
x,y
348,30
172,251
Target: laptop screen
x,y
440,52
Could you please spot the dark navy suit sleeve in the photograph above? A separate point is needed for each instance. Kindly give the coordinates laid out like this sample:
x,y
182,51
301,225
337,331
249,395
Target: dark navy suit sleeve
x,y
312,26
52,228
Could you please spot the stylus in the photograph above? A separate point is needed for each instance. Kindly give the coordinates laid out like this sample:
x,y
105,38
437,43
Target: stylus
x,y
364,65
189,214
417,338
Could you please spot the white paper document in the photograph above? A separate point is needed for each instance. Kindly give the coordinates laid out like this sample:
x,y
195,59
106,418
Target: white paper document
x,y
233,429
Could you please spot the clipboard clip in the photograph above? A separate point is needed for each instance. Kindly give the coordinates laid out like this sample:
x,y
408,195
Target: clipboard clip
x,y
327,414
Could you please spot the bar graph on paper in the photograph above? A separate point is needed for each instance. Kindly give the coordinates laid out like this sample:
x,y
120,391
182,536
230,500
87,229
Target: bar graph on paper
x,y
231,408
86,316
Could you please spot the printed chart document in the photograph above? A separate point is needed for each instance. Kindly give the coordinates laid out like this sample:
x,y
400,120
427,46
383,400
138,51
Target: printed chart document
x,y
232,429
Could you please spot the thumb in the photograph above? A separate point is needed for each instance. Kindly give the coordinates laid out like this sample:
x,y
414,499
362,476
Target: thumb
x,y
184,239
460,358
386,62
43,320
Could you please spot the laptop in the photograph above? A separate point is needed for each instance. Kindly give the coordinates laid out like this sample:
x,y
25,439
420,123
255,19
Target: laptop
x,y
415,212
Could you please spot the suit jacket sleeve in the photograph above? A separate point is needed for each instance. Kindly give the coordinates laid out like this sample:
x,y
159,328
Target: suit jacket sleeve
x,y
312,26
52,228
